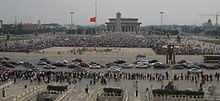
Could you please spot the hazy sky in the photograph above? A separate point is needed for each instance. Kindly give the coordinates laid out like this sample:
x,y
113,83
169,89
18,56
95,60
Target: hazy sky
x,y
183,12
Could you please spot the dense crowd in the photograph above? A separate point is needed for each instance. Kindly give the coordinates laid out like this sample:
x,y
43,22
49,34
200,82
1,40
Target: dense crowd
x,y
186,47
102,77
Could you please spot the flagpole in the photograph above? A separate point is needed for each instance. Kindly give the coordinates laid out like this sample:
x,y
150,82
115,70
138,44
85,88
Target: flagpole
x,y
96,16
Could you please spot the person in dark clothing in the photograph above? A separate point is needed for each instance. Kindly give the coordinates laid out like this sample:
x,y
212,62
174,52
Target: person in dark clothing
x,y
87,89
3,92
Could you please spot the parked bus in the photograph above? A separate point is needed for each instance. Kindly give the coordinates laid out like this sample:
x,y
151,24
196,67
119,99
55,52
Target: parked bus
x,y
211,58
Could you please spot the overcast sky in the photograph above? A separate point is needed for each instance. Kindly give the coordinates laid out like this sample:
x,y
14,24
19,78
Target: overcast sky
x,y
181,12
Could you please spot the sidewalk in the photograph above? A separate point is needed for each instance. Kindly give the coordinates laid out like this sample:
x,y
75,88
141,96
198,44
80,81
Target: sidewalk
x,y
137,98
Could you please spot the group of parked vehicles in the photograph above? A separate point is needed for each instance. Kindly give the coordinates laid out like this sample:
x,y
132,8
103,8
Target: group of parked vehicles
x,y
6,63
114,66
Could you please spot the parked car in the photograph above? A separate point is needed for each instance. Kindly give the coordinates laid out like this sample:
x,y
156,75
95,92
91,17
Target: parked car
x,y
63,61
3,68
28,65
4,58
58,64
142,65
119,61
45,60
212,67
8,65
179,66
110,64
4,62
217,65
40,62
192,63
140,56
92,62
181,61
15,63
194,71
94,66
77,60
193,66
140,61
152,61
114,69
159,65
126,65
49,66
84,65
202,65
73,66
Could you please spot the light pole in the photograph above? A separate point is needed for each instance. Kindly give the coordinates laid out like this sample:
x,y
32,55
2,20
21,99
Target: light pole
x,y
15,25
72,25
1,26
161,13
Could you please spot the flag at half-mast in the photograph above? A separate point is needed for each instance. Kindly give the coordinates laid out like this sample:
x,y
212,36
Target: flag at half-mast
x,y
93,19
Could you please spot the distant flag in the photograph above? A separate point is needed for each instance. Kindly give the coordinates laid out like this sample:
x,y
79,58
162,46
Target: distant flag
x,y
93,19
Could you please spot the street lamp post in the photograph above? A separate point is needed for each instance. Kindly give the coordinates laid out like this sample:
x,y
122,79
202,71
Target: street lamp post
x,y
161,13
72,25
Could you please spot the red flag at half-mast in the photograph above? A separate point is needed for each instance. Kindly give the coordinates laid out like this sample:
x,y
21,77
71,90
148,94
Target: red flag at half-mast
x,y
93,19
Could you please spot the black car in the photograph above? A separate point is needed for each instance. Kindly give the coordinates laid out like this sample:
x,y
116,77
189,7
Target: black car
x,y
3,58
140,55
202,65
45,60
119,61
15,62
58,64
152,61
3,68
77,60
217,65
111,64
160,66
182,65
73,66
9,65
193,66
179,66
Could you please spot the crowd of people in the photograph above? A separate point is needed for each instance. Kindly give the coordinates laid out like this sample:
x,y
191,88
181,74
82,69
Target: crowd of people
x,y
102,77
188,46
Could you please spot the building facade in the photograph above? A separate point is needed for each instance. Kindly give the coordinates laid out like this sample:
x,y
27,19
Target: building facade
x,y
119,24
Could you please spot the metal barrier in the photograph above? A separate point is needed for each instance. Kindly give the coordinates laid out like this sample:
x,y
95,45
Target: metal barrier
x,y
7,84
93,95
125,95
28,94
62,96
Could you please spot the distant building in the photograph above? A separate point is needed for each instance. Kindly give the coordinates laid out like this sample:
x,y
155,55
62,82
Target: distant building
x,y
208,24
119,24
28,26
51,25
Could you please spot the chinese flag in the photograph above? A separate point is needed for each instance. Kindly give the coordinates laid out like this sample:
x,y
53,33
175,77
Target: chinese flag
x,y
93,19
